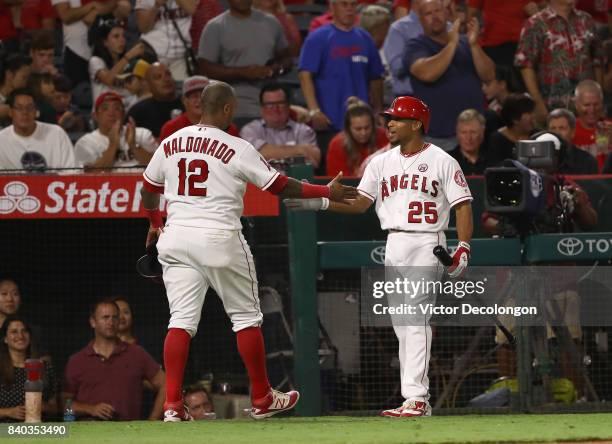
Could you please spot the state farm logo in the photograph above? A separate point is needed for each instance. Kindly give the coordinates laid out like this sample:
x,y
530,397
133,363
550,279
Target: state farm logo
x,y
104,198
378,255
16,198
570,246
62,197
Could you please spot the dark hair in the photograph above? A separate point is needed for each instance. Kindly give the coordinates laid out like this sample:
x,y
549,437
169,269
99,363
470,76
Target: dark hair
x,y
275,86
515,106
116,299
198,387
42,39
14,63
121,298
35,81
8,278
62,84
7,374
502,74
513,80
95,305
98,33
357,108
10,100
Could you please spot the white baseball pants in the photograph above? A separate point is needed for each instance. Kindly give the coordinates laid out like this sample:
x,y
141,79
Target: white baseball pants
x,y
407,249
194,259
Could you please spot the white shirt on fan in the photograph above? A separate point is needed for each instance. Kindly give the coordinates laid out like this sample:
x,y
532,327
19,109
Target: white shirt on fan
x,y
48,140
75,34
414,192
92,145
206,189
163,37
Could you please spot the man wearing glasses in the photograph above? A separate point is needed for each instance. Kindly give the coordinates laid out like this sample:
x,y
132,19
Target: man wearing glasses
x,y
30,145
276,135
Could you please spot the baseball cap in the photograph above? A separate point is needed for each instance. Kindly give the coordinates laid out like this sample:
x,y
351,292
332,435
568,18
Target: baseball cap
x,y
194,83
107,96
136,67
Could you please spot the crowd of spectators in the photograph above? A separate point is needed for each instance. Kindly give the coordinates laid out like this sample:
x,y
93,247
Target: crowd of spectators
x,y
511,63
106,380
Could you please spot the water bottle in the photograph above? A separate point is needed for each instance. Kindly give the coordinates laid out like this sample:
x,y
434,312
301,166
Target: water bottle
x,y
68,412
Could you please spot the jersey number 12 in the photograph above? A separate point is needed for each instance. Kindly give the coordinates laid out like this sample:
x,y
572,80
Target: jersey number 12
x,y
200,169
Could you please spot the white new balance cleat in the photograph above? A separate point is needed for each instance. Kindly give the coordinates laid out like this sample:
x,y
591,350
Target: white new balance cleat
x,y
409,409
275,402
176,412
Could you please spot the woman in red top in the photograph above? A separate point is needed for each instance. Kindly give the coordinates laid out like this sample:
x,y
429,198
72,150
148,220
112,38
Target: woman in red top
x,y
359,139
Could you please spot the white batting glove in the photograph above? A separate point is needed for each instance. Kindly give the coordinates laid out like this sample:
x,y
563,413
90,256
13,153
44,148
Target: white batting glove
x,y
460,260
316,204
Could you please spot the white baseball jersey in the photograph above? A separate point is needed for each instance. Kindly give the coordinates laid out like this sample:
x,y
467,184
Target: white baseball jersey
x,y
204,172
414,192
47,147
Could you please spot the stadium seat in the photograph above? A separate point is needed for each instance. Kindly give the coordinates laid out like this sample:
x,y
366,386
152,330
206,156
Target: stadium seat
x,y
279,339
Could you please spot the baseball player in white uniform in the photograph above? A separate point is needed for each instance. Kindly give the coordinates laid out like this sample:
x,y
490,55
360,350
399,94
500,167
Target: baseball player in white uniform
x,y
414,186
202,172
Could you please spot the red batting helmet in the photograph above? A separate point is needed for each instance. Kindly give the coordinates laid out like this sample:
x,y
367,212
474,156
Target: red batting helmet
x,y
406,107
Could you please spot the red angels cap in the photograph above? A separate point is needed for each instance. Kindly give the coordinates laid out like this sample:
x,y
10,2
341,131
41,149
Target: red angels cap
x,y
194,83
106,96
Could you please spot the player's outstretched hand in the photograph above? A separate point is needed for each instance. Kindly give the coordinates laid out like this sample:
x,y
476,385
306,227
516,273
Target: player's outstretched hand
x,y
339,192
460,260
316,204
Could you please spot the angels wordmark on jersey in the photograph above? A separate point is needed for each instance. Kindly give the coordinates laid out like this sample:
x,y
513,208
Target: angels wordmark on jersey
x,y
414,192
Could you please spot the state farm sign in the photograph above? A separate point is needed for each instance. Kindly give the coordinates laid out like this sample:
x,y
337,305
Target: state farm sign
x,y
94,196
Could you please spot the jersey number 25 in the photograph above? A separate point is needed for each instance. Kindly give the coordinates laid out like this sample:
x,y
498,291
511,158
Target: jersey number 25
x,y
200,169
416,210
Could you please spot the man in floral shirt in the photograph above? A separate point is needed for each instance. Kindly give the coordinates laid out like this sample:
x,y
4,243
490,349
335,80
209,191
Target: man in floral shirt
x,y
558,48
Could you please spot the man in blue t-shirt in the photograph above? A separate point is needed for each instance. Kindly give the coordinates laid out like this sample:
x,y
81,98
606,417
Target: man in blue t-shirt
x,y
446,70
338,61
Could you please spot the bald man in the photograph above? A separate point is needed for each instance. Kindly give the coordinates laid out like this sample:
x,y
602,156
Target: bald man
x,y
153,112
446,69
203,172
